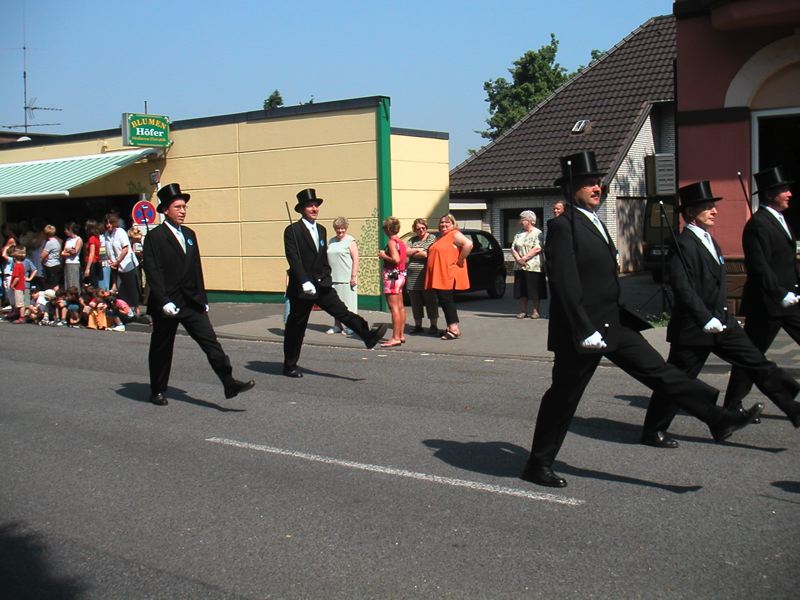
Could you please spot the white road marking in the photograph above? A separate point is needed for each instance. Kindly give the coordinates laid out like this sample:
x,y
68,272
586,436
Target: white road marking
x,y
474,485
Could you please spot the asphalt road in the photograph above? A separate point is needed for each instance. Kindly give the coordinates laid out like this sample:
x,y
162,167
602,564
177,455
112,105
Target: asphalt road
x,y
378,475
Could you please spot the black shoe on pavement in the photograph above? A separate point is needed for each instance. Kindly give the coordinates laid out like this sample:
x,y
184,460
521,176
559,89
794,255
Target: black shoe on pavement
x,y
238,387
374,336
159,399
543,476
296,372
733,420
741,409
658,439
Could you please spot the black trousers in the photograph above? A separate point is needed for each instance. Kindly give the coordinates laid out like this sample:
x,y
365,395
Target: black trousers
x,y
447,302
573,371
762,332
732,346
329,301
195,321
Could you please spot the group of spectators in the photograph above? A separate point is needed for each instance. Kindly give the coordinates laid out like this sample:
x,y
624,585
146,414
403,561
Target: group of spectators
x,y
429,267
92,280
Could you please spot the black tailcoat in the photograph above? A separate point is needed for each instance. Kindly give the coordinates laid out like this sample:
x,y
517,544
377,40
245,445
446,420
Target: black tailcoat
x,y
700,294
177,276
772,271
308,263
585,299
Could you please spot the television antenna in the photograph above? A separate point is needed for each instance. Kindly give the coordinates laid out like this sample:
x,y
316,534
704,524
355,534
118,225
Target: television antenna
x,y
29,107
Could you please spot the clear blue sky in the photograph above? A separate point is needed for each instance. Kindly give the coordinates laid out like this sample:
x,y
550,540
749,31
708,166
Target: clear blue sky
x,y
96,59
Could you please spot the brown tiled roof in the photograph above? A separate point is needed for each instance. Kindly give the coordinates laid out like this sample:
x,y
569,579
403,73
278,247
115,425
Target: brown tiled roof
x,y
614,93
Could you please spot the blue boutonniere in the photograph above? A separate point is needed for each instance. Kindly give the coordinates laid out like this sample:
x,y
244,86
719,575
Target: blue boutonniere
x,y
190,241
322,243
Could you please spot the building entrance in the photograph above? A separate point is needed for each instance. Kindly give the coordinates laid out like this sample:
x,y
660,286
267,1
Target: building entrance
x,y
779,144
60,211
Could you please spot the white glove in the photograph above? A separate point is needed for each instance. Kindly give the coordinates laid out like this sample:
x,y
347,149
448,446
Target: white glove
x,y
594,342
713,326
309,288
206,307
170,309
789,299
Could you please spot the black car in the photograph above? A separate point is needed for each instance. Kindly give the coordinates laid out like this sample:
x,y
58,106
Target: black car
x,y
485,264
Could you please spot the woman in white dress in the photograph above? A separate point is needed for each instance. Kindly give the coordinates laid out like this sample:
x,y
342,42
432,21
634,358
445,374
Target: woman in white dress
x,y
343,258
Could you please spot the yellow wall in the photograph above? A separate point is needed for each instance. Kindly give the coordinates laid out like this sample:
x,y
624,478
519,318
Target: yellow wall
x,y
420,179
241,176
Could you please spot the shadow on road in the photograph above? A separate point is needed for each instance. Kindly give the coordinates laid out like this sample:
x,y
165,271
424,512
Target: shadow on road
x,y
24,572
140,392
502,459
276,368
788,486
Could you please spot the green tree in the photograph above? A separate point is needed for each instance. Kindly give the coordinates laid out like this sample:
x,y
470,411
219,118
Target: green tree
x,y
535,76
274,101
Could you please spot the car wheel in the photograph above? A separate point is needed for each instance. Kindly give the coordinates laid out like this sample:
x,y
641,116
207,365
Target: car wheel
x,y
498,287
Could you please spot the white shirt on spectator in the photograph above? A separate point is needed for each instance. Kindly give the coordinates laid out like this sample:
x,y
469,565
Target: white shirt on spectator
x,y
114,242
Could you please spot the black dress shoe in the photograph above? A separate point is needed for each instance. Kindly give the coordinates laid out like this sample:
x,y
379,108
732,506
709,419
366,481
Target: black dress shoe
x,y
543,476
733,420
296,373
238,387
374,336
741,409
658,439
159,399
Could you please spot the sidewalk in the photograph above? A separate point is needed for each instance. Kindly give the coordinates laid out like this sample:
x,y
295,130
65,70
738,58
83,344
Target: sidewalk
x,y
490,328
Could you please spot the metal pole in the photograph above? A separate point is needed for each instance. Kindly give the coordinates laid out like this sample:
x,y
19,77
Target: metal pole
x,y
747,198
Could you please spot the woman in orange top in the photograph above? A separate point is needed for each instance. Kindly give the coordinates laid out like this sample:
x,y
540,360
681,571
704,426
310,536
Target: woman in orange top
x,y
447,271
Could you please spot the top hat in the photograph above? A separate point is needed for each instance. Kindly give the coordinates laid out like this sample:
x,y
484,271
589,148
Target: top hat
x,y
167,194
306,196
771,178
696,193
582,164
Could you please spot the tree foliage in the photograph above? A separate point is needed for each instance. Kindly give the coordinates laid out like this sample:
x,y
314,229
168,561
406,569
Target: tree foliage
x,y
273,101
534,76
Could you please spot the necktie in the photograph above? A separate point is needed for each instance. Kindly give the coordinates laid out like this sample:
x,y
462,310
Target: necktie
x,y
181,239
315,237
785,226
710,245
599,226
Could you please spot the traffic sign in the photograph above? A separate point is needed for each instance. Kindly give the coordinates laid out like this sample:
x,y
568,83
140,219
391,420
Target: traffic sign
x,y
143,213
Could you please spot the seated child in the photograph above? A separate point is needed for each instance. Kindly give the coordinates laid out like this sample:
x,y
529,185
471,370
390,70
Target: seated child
x,y
73,301
94,308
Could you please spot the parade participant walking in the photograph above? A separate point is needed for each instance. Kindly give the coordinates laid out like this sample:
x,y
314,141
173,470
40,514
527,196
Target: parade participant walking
x,y
310,283
700,323
588,322
178,296
771,297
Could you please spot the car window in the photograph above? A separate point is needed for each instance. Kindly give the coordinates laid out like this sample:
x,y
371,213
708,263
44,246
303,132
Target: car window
x,y
483,241
478,242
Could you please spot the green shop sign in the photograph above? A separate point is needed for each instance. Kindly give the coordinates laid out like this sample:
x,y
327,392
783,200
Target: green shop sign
x,y
145,130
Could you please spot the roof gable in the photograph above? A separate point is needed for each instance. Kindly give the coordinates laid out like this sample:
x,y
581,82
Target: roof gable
x,y
612,93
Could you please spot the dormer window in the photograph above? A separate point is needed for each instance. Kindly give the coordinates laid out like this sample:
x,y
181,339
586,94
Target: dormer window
x,y
581,127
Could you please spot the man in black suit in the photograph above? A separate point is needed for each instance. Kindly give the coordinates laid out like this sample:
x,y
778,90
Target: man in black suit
x,y
171,259
310,283
771,292
700,323
588,322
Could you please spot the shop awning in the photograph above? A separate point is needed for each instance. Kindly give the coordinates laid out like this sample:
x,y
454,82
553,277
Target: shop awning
x,y
55,178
